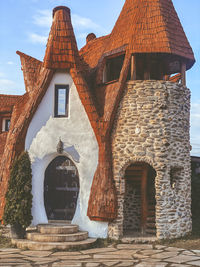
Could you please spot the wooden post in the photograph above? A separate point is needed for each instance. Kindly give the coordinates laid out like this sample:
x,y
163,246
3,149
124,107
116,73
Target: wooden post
x,y
147,68
144,198
133,68
183,73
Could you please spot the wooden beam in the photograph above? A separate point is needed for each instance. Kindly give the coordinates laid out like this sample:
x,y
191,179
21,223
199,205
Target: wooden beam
x,y
133,68
183,73
147,68
144,198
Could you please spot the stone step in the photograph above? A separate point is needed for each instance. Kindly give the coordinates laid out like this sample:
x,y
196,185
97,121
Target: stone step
x,y
150,225
34,245
151,207
59,222
151,219
151,213
79,236
57,229
151,231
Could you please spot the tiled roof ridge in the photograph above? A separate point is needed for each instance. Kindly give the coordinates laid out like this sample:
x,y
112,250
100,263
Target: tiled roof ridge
x,y
21,54
92,42
8,95
31,68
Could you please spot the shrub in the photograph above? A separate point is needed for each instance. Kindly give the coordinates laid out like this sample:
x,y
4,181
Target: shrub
x,y
19,197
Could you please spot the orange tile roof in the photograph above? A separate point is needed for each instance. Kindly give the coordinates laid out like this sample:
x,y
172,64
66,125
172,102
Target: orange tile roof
x,y
93,50
3,137
61,51
7,102
31,69
150,26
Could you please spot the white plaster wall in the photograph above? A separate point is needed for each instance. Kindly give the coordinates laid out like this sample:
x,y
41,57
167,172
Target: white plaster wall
x,y
79,144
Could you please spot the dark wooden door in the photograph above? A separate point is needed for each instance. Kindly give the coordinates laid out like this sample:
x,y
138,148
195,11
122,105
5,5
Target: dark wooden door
x,y
140,199
61,189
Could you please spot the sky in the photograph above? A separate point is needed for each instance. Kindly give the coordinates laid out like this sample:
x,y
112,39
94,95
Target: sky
x,y
25,25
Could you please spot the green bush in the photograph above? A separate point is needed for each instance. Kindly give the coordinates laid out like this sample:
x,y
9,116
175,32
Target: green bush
x,y
19,197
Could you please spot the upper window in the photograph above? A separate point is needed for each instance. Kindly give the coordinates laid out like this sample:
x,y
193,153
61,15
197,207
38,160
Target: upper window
x,y
7,125
113,68
61,100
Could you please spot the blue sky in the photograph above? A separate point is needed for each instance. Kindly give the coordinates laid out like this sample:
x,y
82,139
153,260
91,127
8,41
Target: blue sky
x,y
25,25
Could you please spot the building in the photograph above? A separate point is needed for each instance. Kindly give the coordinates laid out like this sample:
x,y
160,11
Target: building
x,y
107,127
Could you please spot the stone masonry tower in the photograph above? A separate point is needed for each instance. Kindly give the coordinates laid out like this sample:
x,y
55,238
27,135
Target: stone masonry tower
x,y
151,140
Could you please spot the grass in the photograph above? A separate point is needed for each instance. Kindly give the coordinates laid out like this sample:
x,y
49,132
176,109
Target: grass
x,y
189,242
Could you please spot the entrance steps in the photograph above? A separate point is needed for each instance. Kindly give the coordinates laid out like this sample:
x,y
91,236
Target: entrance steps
x,y
60,236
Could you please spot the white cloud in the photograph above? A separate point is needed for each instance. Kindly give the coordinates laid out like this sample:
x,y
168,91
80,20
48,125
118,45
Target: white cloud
x,y
10,63
84,23
5,82
36,38
82,36
43,18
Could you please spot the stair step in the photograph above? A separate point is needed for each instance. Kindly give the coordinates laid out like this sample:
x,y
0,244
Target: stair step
x,y
79,236
151,220
150,225
151,207
59,222
150,213
151,231
33,245
57,229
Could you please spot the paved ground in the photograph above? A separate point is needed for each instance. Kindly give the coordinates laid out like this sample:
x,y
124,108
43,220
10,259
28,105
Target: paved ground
x,y
124,255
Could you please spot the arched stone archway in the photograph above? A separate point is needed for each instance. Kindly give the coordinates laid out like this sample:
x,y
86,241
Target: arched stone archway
x,y
139,200
61,189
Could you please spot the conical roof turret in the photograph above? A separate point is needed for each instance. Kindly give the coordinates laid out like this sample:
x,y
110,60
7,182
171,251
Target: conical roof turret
x,y
150,26
61,51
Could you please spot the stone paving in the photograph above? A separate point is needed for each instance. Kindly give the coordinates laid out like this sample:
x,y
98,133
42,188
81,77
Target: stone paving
x,y
140,255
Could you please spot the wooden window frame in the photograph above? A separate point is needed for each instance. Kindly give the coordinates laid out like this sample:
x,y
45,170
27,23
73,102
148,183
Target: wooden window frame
x,y
56,107
108,62
7,125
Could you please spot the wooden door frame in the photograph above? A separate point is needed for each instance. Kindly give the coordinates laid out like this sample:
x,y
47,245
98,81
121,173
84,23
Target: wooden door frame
x,y
144,201
144,167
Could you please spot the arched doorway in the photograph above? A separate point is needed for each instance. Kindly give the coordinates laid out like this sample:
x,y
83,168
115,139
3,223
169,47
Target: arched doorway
x,y
139,200
61,189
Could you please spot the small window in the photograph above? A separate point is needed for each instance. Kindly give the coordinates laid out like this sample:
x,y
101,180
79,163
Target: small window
x,y
113,68
61,100
5,124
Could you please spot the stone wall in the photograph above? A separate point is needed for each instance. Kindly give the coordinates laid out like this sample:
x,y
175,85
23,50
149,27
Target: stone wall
x,y
152,126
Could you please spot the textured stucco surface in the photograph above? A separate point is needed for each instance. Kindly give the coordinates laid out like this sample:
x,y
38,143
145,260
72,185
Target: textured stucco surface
x,y
80,146
152,126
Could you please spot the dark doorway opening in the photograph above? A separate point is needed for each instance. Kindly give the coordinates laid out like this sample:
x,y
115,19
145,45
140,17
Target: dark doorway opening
x,y
61,189
139,200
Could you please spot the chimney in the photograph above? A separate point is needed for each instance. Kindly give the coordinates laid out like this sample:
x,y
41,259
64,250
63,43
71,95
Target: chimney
x,y
90,37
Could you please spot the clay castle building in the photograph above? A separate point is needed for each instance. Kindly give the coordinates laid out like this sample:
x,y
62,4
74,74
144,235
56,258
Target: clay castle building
x,y
107,126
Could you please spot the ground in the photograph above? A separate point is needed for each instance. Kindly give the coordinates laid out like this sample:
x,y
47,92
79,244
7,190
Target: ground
x,y
139,255
172,253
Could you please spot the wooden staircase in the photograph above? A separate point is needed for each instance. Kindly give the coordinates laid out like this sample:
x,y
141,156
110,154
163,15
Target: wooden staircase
x,y
60,236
